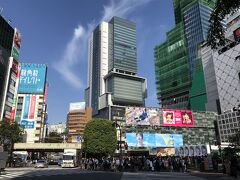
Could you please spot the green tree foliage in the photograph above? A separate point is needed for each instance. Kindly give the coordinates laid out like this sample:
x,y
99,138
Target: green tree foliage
x,y
235,140
234,147
216,36
10,133
100,137
54,137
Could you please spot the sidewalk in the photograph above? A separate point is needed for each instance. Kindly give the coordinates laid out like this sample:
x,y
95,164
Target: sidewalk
x,y
209,174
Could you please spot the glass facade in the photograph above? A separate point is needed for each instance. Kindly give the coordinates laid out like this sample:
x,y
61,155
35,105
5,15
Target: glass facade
x,y
113,67
196,27
180,48
172,70
96,68
124,45
126,90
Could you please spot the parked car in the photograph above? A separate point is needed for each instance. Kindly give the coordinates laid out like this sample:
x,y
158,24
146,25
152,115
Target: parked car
x,y
18,162
41,164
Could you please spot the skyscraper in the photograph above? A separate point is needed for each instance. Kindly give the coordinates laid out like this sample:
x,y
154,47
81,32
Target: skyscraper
x,y
112,67
176,58
10,41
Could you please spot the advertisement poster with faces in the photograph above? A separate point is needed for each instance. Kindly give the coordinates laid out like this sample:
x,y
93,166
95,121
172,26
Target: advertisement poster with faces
x,y
140,139
176,117
197,150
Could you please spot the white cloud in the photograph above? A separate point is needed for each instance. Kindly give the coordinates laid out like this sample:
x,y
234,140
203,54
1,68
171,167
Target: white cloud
x,y
121,8
76,48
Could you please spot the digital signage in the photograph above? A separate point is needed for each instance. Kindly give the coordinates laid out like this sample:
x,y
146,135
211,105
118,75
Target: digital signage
x,y
175,117
28,112
32,78
142,116
140,139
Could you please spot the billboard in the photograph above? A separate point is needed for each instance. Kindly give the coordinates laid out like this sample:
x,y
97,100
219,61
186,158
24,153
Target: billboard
x,y
28,112
193,150
32,78
165,151
77,106
140,139
175,117
142,116
16,70
16,44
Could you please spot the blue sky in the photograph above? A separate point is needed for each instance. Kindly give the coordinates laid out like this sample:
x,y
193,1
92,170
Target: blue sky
x,y
55,32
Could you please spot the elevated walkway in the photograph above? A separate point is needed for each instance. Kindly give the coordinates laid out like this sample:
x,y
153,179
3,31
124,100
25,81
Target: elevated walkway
x,y
46,147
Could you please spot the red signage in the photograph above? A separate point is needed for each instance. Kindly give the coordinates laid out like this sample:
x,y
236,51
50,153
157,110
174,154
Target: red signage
x,y
176,117
237,34
32,107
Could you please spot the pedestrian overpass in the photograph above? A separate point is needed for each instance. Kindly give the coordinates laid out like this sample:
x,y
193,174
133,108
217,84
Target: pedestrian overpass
x,y
46,147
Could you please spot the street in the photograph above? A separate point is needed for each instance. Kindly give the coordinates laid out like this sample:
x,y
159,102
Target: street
x,y
74,173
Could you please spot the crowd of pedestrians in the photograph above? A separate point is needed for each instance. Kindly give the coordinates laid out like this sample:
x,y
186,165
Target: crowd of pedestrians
x,y
172,164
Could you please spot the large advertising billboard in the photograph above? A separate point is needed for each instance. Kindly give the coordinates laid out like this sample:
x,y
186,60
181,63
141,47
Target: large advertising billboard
x,y
140,139
28,112
193,150
142,116
175,117
32,78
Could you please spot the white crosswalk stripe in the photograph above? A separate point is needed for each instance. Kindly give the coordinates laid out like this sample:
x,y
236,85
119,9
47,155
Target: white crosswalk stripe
x,y
13,173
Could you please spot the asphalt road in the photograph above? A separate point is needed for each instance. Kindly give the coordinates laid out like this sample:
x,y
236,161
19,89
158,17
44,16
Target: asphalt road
x,y
72,174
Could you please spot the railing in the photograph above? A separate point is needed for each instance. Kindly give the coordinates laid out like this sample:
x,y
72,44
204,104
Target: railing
x,y
25,146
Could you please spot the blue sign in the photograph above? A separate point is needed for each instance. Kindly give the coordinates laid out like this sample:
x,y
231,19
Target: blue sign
x,y
32,78
78,138
26,124
154,140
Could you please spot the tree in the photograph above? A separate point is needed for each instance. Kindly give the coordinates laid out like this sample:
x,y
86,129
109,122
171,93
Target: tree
x,y
54,137
100,137
10,133
216,36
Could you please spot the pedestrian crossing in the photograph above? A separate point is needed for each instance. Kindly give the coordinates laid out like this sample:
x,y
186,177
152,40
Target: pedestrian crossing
x,y
16,173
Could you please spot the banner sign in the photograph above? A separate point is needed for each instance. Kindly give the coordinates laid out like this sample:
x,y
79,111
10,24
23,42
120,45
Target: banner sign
x,y
28,112
142,116
175,117
140,139
193,150
32,78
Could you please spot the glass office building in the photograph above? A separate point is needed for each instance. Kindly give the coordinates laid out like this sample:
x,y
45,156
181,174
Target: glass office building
x,y
192,16
112,67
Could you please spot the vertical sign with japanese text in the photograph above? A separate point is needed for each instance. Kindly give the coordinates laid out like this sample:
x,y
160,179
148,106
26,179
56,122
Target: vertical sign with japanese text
x,y
32,78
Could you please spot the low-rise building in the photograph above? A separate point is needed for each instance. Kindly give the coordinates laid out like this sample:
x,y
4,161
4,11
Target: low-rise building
x,y
77,118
